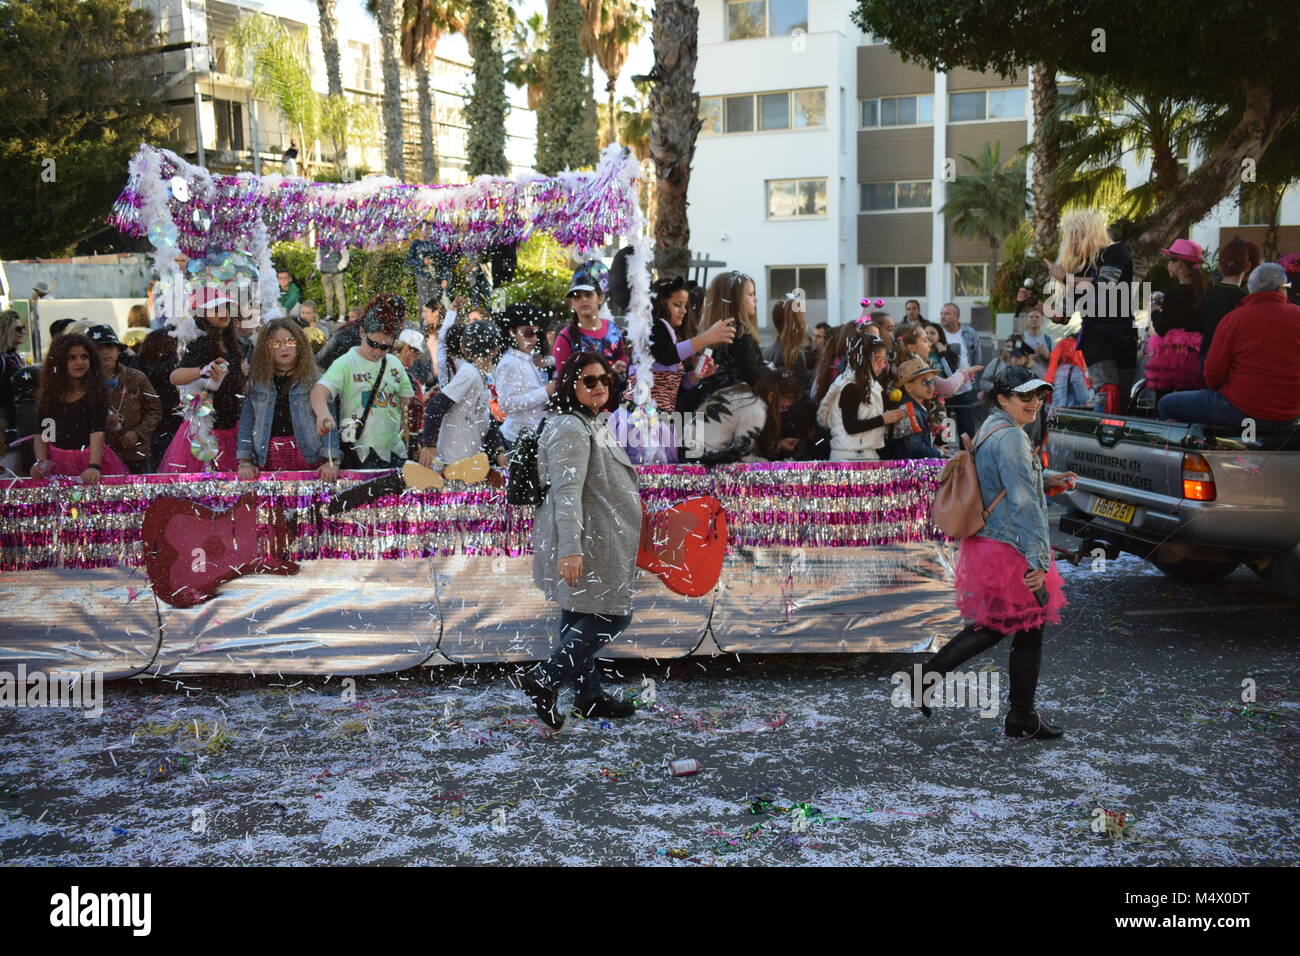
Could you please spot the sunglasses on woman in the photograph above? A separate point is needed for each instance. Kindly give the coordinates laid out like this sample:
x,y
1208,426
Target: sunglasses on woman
x,y
1031,397
589,382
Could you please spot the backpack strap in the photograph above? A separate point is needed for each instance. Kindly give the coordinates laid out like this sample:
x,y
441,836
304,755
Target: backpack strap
x,y
997,500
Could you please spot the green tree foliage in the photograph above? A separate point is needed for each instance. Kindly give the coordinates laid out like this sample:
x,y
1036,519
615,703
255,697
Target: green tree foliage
x,y
1225,57
485,111
76,100
989,202
566,121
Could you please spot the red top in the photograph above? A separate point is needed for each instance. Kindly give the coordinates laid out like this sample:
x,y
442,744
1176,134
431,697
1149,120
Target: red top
x,y
1255,359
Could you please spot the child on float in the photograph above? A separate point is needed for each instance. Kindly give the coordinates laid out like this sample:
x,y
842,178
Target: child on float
x,y
853,409
216,359
277,428
910,436
72,407
458,421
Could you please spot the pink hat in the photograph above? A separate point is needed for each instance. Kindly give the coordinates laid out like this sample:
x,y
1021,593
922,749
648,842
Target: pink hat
x,y
1186,250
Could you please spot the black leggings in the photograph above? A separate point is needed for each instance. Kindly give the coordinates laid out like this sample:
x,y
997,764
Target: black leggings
x,y
581,636
1023,662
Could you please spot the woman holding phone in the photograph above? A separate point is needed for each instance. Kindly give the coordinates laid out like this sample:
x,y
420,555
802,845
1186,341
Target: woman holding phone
x,y
1007,583
585,537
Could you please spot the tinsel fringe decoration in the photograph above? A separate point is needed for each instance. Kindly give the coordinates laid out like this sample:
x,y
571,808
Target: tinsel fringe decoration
x,y
62,523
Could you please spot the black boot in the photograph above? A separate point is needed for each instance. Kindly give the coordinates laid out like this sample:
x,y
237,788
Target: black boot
x,y
1023,722
544,700
603,706
972,640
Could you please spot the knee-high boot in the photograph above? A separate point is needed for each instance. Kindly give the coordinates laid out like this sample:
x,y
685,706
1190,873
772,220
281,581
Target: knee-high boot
x,y
972,639
1024,662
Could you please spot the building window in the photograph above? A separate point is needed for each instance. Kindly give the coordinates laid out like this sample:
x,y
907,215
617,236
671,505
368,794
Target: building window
x,y
812,279
796,198
897,111
1256,206
878,197
970,280
230,124
750,19
890,281
986,104
780,110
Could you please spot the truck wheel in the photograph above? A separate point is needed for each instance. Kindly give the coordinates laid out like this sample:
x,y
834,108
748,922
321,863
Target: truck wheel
x,y
1196,570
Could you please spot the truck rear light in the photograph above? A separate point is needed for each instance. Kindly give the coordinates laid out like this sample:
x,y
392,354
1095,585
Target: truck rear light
x,y
1198,480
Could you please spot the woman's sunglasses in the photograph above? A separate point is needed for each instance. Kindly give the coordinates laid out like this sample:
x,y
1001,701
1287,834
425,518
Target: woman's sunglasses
x,y
1039,396
589,382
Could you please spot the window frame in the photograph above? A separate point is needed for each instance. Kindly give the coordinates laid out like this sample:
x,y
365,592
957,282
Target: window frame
x,y
897,294
878,100
984,272
1024,113
896,208
756,111
767,21
767,199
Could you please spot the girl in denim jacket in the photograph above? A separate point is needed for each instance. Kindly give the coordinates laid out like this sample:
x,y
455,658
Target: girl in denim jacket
x,y
277,427
1007,582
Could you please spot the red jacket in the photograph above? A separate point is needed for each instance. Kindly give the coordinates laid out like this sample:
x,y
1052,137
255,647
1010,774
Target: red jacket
x,y
1255,358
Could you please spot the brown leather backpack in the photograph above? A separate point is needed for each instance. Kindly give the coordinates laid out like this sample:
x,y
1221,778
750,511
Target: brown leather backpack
x,y
958,508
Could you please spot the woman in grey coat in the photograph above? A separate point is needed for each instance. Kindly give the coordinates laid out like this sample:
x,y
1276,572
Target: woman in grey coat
x,y
585,538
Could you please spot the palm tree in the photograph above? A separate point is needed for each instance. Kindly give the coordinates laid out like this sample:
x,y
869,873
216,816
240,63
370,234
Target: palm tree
x,y
423,23
275,62
674,126
486,107
1099,126
621,24
388,13
1046,150
990,202
527,67
329,41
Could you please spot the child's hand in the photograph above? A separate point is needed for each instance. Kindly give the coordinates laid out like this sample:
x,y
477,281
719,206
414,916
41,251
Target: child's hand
x,y
247,471
324,425
428,456
893,415
90,476
328,471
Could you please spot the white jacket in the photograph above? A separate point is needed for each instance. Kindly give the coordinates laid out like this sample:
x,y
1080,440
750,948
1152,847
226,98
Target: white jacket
x,y
829,416
521,389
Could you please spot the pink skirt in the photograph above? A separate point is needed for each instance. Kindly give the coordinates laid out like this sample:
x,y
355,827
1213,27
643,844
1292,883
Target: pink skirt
x,y
73,463
282,454
991,590
180,460
1174,361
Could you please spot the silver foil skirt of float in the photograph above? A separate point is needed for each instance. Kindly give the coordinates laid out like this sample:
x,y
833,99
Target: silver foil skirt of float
x,y
361,617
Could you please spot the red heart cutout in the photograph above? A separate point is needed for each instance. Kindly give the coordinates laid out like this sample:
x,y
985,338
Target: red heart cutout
x,y
685,544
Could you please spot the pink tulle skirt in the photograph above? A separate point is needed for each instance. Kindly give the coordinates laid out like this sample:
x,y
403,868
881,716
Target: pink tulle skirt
x,y
180,460
1174,361
991,589
73,463
282,454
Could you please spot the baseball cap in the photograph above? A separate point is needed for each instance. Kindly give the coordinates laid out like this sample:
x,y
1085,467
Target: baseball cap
x,y
103,335
1018,379
412,338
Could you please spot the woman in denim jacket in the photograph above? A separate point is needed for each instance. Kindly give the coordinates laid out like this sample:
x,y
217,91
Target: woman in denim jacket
x,y
277,427
1007,582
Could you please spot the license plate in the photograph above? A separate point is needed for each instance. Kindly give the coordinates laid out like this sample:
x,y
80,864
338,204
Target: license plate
x,y
1115,510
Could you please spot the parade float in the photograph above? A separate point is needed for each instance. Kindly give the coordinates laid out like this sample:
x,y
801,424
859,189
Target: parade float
x,y
819,557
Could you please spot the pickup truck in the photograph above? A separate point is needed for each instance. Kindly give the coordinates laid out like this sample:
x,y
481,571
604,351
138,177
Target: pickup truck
x,y
1197,501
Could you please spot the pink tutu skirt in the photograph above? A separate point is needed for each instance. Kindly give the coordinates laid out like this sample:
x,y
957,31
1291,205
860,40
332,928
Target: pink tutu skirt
x,y
1174,361
282,454
991,590
180,460
73,463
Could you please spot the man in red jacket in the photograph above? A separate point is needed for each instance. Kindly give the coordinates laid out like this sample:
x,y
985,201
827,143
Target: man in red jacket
x,y
1253,368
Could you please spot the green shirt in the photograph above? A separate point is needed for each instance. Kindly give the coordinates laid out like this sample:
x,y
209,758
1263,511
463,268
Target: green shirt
x,y
290,297
350,379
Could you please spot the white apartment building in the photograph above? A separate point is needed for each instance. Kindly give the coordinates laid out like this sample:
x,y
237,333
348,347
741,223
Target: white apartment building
x,y
822,159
